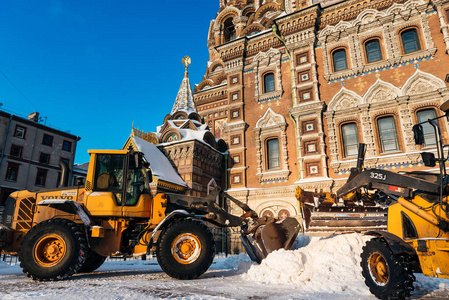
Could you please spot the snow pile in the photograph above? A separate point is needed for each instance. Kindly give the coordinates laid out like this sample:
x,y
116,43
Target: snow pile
x,y
240,262
319,265
436,286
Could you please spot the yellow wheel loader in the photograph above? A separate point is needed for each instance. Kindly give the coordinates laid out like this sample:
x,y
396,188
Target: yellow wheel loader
x,y
59,232
417,238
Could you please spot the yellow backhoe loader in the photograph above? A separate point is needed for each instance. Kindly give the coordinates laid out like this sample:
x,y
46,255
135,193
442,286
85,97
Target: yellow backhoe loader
x,y
57,233
417,238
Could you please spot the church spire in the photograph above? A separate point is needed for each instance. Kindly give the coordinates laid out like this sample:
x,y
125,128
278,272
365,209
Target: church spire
x,y
184,99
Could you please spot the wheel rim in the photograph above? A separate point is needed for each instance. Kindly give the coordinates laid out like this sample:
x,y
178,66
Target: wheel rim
x,y
186,248
378,267
50,250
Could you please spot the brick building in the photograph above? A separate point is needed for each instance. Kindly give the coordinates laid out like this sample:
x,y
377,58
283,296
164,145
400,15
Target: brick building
x,y
30,154
293,86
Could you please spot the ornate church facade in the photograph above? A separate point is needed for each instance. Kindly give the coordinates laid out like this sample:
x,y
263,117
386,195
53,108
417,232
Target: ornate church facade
x,y
293,86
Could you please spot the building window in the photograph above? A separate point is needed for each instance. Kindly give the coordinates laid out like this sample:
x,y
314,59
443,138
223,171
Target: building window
x,y
44,158
350,139
410,41
41,177
429,133
273,158
302,58
339,60
20,132
66,146
229,30
11,172
268,80
47,140
373,52
16,151
387,134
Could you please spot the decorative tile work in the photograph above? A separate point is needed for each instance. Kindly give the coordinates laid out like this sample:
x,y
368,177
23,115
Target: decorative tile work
x,y
415,62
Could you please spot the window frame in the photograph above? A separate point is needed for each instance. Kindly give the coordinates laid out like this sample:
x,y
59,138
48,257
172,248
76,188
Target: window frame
x,y
344,144
334,62
23,132
64,143
268,158
427,126
44,140
367,52
382,140
417,41
17,147
42,154
273,83
12,166
44,178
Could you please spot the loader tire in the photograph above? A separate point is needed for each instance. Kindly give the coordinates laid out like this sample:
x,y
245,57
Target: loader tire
x,y
387,275
186,249
93,262
53,250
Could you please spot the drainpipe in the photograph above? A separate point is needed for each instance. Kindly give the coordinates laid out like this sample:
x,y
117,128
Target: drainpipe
x,y
6,139
277,34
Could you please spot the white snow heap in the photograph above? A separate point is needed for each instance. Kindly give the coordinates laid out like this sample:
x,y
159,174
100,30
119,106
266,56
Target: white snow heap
x,y
184,99
159,163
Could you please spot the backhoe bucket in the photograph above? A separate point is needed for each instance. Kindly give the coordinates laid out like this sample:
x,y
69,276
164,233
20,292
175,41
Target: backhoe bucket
x,y
271,237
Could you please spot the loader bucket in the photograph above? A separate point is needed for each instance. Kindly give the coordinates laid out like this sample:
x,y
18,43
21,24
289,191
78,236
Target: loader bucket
x,y
271,237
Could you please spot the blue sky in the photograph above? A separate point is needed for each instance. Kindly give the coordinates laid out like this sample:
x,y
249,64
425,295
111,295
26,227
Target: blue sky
x,y
95,67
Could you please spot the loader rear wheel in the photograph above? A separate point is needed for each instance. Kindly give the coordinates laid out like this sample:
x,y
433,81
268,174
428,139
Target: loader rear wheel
x,y
53,250
186,249
93,262
387,275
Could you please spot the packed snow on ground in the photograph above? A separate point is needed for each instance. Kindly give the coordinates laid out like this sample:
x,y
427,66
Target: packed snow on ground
x,y
316,268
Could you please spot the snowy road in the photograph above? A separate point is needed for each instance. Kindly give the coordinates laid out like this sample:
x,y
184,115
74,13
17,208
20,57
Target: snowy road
x,y
318,269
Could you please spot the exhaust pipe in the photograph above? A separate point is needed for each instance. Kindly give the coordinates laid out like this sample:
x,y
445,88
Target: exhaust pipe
x,y
65,174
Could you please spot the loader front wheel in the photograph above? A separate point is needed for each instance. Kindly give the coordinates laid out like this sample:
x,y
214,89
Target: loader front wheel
x,y
53,250
387,275
186,249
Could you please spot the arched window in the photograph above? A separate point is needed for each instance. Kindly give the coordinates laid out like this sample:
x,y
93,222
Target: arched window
x,y
273,158
339,60
229,30
268,83
388,136
372,49
410,41
429,134
350,139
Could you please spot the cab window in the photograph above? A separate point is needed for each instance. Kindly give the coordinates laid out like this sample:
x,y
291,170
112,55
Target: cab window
x,y
109,172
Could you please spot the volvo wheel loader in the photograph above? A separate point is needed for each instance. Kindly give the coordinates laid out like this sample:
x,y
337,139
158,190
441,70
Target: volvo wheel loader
x,y
417,238
58,232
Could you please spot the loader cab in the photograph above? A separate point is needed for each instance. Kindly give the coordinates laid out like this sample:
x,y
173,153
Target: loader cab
x,y
120,184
